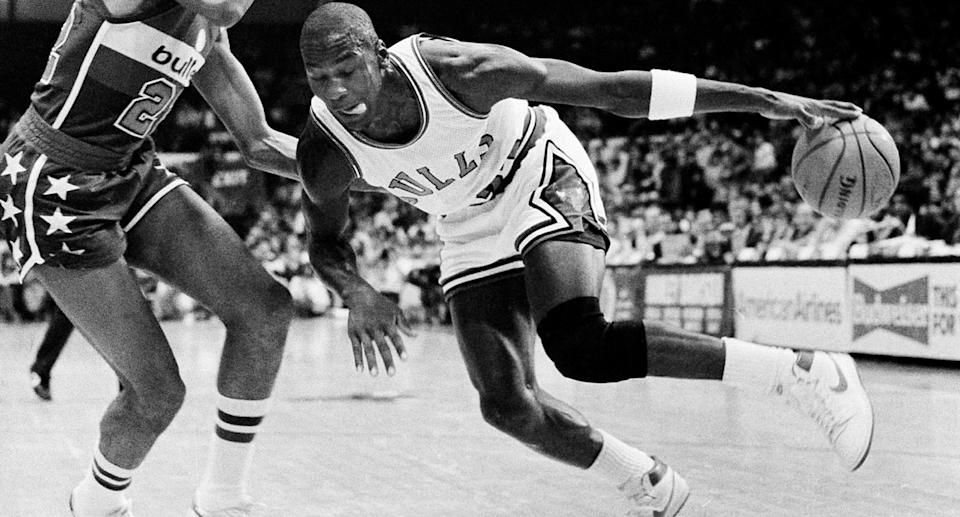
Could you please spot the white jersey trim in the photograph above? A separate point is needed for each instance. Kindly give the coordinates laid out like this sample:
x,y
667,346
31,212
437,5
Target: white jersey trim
x,y
81,75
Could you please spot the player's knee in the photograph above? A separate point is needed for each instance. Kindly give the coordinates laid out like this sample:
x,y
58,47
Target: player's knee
x,y
265,309
586,347
159,403
514,413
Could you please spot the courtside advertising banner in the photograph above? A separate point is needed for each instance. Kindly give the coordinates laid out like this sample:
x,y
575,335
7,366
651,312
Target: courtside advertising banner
x,y
792,306
694,299
906,309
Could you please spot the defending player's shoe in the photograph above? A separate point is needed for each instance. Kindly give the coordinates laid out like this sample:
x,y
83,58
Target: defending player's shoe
x,y
41,385
826,387
659,492
124,511
246,509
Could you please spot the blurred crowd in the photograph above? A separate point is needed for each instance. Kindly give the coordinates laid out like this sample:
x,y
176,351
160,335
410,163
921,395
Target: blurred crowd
x,y
705,190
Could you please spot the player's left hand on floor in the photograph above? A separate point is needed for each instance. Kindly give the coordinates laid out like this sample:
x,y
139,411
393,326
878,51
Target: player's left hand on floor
x,y
376,324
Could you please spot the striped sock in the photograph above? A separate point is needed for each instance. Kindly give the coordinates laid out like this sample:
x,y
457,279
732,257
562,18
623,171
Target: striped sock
x,y
224,480
101,490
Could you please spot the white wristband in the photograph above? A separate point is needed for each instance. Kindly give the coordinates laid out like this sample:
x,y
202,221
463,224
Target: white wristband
x,y
672,94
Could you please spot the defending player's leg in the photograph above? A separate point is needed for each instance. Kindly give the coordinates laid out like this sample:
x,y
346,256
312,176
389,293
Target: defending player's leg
x,y
496,340
212,265
108,308
585,346
59,328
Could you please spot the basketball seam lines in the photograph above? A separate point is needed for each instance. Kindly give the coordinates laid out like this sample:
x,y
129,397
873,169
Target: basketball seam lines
x,y
833,170
842,135
882,157
863,175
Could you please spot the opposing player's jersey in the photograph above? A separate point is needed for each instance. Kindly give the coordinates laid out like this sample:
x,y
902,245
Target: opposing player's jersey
x,y
456,159
109,81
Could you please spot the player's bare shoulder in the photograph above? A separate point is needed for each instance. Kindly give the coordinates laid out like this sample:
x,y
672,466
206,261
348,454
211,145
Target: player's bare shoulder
x,y
325,168
479,74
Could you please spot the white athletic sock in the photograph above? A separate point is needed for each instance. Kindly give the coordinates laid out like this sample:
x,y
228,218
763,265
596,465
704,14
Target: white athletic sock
x,y
755,366
101,491
618,462
224,481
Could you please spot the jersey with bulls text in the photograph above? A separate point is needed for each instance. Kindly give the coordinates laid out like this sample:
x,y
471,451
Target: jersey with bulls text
x,y
457,158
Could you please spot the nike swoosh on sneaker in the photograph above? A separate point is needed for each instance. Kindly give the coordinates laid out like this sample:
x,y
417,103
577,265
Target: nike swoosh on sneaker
x,y
842,382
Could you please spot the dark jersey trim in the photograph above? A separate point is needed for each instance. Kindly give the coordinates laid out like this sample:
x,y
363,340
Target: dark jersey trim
x,y
479,269
480,282
437,84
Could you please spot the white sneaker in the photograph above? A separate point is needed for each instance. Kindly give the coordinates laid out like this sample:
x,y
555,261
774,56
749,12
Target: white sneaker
x,y
659,492
246,509
826,387
126,510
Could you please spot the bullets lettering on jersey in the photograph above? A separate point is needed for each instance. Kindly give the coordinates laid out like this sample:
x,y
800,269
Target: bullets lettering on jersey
x,y
435,181
404,182
183,68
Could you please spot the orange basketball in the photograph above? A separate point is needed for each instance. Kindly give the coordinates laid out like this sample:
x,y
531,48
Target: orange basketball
x,y
847,169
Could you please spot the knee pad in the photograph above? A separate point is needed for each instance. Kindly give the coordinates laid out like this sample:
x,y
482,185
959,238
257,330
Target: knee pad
x,y
586,347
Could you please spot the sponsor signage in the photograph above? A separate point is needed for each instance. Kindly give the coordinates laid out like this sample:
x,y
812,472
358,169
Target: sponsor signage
x,y
906,309
689,298
792,306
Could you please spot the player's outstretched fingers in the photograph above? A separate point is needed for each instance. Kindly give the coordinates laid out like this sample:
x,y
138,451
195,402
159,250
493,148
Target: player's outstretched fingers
x,y
370,351
403,326
357,345
385,353
808,119
840,109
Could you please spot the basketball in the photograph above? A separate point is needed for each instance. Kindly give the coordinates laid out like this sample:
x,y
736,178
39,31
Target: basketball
x,y
847,169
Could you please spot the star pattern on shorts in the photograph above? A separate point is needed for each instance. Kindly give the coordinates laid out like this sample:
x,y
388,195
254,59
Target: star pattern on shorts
x,y
10,210
13,166
66,249
60,187
15,249
58,222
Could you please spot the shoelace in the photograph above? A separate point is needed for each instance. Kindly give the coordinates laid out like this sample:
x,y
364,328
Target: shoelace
x,y
642,494
826,418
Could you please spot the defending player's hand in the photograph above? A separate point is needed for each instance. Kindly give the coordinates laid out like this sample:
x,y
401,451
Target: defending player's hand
x,y
376,323
809,112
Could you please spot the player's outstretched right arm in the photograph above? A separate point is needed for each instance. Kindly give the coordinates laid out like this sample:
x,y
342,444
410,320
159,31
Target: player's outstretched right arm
x,y
483,74
225,13
375,322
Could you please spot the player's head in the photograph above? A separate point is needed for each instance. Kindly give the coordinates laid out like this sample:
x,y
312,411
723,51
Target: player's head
x,y
344,61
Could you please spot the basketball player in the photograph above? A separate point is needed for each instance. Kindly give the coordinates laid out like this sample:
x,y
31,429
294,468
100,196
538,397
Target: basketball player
x,y
445,125
84,195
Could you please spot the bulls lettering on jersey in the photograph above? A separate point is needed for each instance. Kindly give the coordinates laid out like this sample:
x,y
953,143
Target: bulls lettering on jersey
x,y
457,157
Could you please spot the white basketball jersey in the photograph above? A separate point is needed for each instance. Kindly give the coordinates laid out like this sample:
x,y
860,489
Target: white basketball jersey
x,y
453,160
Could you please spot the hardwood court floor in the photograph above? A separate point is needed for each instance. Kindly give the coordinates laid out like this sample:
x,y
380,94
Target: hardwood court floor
x,y
342,444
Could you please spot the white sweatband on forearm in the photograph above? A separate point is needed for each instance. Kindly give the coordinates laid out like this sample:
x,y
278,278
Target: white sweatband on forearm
x,y
672,94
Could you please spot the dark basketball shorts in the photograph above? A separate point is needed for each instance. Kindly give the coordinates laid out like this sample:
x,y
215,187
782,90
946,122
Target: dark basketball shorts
x,y
553,195
58,214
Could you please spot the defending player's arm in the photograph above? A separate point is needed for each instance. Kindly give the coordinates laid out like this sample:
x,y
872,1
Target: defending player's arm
x,y
483,74
374,319
225,13
225,85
